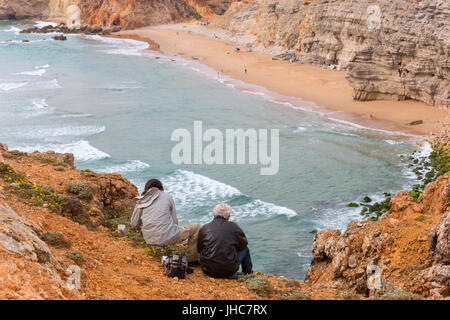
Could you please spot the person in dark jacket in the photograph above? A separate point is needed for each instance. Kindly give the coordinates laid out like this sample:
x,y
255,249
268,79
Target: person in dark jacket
x,y
222,246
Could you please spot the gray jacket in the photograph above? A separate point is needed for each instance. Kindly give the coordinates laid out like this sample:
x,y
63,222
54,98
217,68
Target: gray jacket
x,y
155,212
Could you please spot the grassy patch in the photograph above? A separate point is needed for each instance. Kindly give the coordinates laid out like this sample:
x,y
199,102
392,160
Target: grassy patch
x,y
82,190
258,284
14,154
37,195
56,239
75,256
400,295
294,295
420,217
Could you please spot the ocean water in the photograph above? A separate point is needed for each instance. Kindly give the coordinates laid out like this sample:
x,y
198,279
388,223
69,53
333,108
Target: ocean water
x,y
115,107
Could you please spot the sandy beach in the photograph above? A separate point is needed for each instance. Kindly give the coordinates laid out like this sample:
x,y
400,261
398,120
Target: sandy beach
x,y
326,88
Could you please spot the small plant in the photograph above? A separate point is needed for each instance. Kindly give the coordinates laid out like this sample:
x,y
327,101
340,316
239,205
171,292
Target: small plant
x,y
399,295
56,239
82,190
258,284
294,295
367,199
352,205
420,217
415,192
75,256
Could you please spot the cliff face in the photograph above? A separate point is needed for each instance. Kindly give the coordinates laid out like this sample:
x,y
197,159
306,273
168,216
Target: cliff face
x,y
407,249
397,50
22,9
108,13
137,13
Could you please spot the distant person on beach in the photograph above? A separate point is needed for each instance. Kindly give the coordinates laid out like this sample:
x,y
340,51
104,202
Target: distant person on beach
x,y
155,212
245,70
222,246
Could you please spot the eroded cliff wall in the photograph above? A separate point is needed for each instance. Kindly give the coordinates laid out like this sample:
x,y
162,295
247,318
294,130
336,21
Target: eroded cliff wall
x,y
22,9
395,50
108,13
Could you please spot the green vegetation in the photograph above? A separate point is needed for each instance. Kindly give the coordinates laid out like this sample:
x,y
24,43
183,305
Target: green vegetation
x,y
420,217
38,195
82,190
258,284
31,193
426,169
352,205
75,256
56,239
376,210
400,295
14,154
294,295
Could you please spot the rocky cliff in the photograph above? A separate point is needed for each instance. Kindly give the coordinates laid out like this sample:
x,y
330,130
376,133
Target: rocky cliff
x,y
22,9
108,13
391,49
137,13
407,249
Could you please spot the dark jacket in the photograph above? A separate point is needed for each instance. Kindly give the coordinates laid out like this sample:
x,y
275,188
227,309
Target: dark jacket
x,y
218,244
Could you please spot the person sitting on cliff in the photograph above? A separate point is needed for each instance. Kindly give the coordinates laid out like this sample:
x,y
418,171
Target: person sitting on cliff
x,y
155,212
222,246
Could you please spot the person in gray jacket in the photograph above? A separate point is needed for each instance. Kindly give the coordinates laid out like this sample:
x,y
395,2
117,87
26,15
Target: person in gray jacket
x,y
155,212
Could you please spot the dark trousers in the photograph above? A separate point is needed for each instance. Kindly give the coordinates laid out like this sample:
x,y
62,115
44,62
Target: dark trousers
x,y
246,261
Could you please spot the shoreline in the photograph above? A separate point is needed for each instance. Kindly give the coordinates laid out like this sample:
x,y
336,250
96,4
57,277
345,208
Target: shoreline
x,y
291,80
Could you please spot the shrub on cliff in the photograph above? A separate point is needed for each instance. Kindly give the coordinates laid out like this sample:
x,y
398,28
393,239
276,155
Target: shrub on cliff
x,y
82,190
75,256
56,239
71,207
258,284
400,295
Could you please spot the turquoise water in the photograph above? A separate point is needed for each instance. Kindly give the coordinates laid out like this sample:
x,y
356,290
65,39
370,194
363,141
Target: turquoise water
x,y
115,108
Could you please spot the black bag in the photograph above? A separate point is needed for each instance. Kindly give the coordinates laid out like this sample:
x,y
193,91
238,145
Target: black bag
x,y
176,266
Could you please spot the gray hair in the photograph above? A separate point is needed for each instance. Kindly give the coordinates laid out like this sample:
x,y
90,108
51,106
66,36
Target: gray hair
x,y
222,210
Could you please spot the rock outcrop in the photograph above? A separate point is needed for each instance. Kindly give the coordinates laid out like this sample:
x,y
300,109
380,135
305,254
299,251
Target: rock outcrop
x,y
392,49
110,13
407,249
23,9
22,254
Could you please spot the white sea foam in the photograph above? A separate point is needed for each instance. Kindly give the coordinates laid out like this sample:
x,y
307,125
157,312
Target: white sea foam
x,y
13,29
42,24
82,150
190,189
39,104
45,66
127,47
50,133
7,86
300,129
129,166
38,72
75,115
